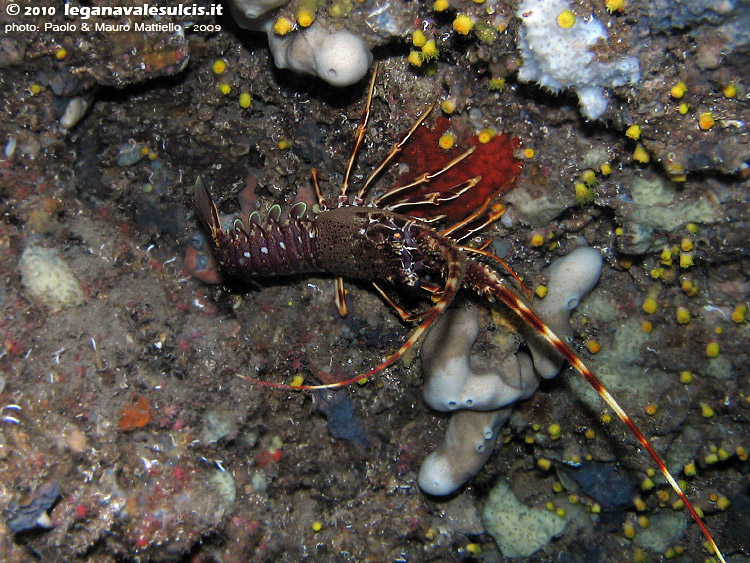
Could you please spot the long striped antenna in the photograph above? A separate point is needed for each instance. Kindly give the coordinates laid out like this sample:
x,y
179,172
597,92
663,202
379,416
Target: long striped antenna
x,y
528,316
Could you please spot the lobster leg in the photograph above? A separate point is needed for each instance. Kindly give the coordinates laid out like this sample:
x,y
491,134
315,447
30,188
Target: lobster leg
x,y
455,276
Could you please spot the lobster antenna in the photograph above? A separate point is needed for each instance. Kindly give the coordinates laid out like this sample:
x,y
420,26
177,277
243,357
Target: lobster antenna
x,y
360,134
528,316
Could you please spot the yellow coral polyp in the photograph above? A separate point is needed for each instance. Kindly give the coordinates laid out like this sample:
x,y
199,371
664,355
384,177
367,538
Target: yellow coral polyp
x,y
640,154
633,132
61,53
713,349
448,106
486,135
566,19
537,240
282,26
246,100
219,66
463,24
225,89
739,314
305,18
430,50
447,141
730,91
415,58
614,5
529,153
706,121
418,38
649,305
440,5
686,377
682,315
678,90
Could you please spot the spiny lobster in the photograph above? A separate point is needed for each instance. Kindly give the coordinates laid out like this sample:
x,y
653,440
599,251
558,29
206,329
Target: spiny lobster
x,y
375,243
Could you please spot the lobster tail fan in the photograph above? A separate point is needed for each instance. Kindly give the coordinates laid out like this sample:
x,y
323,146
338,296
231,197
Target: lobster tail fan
x,y
206,207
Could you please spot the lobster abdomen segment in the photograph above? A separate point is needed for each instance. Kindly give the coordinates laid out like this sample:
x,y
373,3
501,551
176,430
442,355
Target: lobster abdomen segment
x,y
253,251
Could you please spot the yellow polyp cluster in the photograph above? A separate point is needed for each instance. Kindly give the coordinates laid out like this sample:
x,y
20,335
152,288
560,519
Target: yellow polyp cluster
x,y
584,194
606,418
742,453
448,106
647,326
589,177
297,381
593,346
541,291
284,144
566,19
688,286
246,100
686,377
657,273
647,484
643,521
639,503
463,24
282,26
152,155
686,244
629,531
219,66
683,108
61,53
739,314
633,132
730,91
537,240
606,169
666,257
543,464
640,154
418,38
529,153
440,5
225,89
486,135
317,526
678,90
706,121
430,50
712,349
557,487
415,58
651,409
707,411
678,504
555,431
447,141
590,434
34,88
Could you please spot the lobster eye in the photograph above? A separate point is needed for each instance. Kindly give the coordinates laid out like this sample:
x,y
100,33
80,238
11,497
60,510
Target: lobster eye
x,y
397,236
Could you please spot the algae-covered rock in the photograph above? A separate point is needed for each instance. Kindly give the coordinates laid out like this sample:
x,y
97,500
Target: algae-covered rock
x,y
518,530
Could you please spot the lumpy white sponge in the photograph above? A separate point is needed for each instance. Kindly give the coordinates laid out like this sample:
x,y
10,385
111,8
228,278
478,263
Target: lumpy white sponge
x,y
560,59
339,57
570,278
47,277
452,381
468,443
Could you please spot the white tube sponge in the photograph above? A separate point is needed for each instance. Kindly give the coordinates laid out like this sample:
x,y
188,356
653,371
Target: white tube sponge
x,y
452,382
468,443
570,279
340,57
